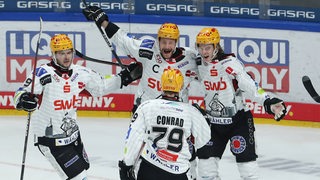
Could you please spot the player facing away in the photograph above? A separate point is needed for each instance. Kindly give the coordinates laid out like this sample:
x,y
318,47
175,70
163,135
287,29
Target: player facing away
x,y
227,85
164,125
154,54
57,86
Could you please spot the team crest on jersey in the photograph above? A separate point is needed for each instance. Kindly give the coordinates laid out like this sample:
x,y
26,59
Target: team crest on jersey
x,y
238,144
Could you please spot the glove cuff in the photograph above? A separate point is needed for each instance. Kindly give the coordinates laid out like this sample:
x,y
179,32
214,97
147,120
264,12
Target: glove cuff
x,y
122,165
101,19
111,29
267,106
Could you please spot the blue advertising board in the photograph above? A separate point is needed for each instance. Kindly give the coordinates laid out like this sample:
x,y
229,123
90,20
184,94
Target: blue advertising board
x,y
112,6
262,12
171,7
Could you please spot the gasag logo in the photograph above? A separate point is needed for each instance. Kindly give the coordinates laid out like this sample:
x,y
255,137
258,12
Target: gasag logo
x,y
267,60
171,7
2,4
113,6
43,4
21,50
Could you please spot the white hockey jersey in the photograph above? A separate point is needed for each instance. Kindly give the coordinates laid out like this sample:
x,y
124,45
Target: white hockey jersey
x,y
59,97
147,52
165,126
226,85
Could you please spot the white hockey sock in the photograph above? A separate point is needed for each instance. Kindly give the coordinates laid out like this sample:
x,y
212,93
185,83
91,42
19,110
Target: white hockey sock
x,y
208,169
248,170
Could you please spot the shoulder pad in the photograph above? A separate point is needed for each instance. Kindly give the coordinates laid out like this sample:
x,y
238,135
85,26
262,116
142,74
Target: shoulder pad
x,y
40,71
231,65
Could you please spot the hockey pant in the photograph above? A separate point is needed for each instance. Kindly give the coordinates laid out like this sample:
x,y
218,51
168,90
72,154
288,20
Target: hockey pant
x,y
70,160
240,134
148,171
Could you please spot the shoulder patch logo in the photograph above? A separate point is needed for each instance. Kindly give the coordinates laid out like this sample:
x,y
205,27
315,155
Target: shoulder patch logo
x,y
147,43
145,54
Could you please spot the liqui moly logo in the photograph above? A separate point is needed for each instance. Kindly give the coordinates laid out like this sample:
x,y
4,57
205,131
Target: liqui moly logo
x,y
21,51
267,60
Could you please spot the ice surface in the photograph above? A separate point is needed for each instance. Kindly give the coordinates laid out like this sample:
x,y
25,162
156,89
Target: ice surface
x,y
285,153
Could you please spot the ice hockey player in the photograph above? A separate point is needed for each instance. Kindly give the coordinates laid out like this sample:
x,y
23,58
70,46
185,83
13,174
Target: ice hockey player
x,y
227,85
155,55
55,99
161,127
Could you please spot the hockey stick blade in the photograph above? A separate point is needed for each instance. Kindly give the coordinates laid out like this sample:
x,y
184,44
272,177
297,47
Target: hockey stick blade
x,y
309,87
79,54
106,39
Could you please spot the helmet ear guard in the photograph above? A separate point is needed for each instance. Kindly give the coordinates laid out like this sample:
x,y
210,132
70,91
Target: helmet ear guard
x,y
172,80
169,30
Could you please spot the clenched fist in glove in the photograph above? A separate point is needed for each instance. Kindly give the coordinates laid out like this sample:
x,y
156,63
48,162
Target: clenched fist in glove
x,y
275,107
130,73
94,13
27,102
126,172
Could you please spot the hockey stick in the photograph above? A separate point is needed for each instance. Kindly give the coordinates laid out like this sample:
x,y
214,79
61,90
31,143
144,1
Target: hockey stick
x,y
29,113
79,54
309,87
107,40
137,159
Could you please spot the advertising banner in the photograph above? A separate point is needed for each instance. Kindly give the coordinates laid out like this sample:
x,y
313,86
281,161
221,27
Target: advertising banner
x,y
277,59
112,6
262,12
252,10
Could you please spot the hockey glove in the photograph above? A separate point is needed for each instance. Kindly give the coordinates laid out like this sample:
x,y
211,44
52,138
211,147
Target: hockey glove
x,y
94,13
198,60
130,73
275,107
27,102
126,172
